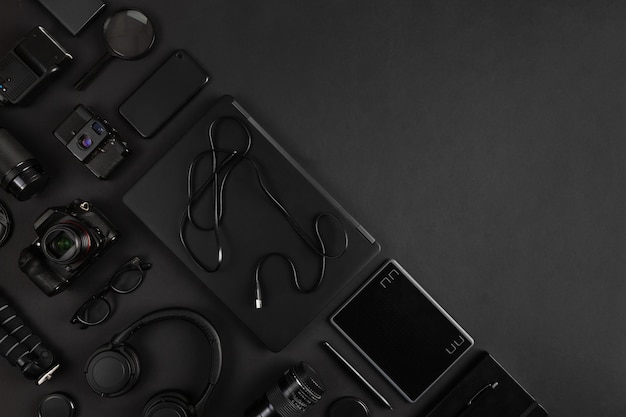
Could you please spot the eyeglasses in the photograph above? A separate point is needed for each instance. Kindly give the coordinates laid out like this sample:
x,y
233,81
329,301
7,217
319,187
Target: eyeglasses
x,y
126,279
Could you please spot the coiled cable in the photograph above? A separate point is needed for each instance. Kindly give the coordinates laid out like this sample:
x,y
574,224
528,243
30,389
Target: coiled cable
x,y
216,180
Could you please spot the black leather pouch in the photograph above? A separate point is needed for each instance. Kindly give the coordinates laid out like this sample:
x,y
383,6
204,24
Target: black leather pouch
x,y
488,390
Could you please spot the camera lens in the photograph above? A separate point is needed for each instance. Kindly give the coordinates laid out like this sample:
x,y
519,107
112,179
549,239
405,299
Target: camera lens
x,y
66,242
85,142
20,173
299,388
60,245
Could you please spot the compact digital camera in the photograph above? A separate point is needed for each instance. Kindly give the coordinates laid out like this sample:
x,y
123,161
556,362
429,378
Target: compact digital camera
x,y
92,141
69,240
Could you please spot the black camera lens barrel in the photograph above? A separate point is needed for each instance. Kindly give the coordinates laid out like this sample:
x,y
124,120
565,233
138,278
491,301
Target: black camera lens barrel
x,y
299,388
20,173
66,242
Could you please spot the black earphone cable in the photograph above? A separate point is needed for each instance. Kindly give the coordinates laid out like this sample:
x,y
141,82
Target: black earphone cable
x,y
218,185
187,217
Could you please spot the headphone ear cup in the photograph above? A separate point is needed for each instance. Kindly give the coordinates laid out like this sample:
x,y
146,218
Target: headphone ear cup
x,y
168,404
112,370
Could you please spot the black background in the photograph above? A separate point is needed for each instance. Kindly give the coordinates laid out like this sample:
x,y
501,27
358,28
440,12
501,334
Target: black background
x,y
482,143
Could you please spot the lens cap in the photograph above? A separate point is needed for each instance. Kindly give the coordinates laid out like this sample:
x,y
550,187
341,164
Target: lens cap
x,y
348,407
57,405
5,224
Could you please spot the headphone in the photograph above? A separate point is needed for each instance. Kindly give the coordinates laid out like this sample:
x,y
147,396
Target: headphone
x,y
114,368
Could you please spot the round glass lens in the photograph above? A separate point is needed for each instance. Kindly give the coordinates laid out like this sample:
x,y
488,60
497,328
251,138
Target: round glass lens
x,y
85,142
127,280
63,243
60,244
129,34
95,312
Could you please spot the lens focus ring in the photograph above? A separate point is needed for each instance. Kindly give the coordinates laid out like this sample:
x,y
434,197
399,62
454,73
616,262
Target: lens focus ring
x,y
299,388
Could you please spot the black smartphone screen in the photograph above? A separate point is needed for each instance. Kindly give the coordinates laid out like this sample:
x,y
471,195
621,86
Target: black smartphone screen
x,y
158,99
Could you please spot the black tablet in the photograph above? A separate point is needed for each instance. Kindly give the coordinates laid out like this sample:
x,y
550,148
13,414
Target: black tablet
x,y
401,330
252,226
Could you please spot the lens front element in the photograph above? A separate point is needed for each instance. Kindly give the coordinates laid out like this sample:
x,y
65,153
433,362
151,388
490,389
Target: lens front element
x,y
61,244
85,142
64,243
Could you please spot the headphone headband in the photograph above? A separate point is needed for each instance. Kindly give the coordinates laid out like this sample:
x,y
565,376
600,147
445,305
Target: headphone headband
x,y
198,321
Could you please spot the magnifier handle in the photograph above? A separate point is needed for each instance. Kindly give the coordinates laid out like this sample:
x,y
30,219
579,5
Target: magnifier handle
x,y
91,74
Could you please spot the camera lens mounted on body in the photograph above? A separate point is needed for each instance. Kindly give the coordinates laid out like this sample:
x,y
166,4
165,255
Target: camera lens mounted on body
x,y
85,142
65,243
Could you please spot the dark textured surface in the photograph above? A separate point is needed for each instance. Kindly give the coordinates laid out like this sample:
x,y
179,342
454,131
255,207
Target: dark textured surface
x,y
482,143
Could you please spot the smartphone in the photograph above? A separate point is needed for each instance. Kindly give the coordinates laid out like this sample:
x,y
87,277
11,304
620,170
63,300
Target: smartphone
x,y
164,93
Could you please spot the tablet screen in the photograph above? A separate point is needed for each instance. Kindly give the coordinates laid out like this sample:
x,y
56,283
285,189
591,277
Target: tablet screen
x,y
401,330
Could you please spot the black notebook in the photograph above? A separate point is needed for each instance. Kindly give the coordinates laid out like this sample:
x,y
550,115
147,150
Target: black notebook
x,y
252,227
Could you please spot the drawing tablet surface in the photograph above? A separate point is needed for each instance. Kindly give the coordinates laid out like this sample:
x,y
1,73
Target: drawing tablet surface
x,y
252,227
401,330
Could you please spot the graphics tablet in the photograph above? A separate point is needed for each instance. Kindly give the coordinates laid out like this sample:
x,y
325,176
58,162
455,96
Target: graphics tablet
x,y
252,227
401,330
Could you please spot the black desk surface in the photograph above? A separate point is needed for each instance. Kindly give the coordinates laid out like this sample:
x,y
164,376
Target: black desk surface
x,y
481,143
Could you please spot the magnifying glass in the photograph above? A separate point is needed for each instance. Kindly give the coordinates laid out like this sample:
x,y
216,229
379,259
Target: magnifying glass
x,y
128,34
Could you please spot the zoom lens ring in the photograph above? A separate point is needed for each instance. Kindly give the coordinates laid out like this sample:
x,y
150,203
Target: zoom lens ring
x,y
305,376
298,392
283,405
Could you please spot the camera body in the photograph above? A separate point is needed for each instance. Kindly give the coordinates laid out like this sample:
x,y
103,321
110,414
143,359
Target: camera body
x,y
31,62
69,239
93,141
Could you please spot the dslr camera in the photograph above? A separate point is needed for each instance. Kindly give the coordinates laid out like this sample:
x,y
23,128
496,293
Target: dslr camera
x,y
69,239
92,141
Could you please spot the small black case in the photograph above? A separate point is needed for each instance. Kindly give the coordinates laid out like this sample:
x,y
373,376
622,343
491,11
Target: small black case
x,y
74,15
488,390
